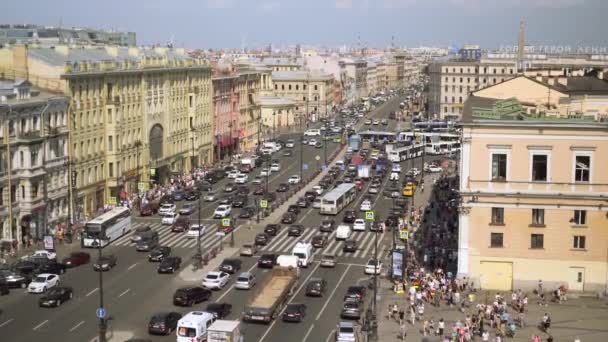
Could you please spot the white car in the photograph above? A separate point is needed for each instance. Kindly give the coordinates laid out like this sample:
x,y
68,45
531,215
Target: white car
x,y
169,219
394,176
434,168
211,196
414,171
312,142
222,211
376,122
43,282
257,180
274,167
232,174
216,280
372,266
265,172
367,122
290,144
366,205
241,179
166,209
45,254
373,190
359,225
295,179
396,168
318,189
312,132
195,231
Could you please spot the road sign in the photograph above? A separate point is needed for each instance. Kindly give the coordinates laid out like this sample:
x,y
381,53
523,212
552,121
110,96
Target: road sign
x,y
263,204
404,234
369,215
318,158
112,200
304,166
100,312
323,167
141,186
226,222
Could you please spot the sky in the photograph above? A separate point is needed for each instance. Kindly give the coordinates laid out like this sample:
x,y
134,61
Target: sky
x,y
257,23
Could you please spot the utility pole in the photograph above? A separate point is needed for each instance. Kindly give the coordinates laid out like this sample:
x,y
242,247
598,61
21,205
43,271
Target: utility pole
x,y
103,324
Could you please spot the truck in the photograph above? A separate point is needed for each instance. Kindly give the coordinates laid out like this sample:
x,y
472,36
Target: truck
x,y
247,164
267,301
363,171
225,331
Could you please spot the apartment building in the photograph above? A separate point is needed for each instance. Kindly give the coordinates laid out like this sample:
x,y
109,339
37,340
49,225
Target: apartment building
x,y
33,161
353,76
534,202
311,90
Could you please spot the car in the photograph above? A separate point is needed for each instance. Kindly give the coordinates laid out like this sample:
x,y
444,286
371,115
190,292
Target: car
x,y
52,267
318,189
316,287
219,310
230,265
319,144
246,213
391,221
373,189
187,209
248,249
192,195
181,225
294,313
203,186
290,143
262,239
319,241
245,281
257,180
359,225
350,246
216,280
76,259
241,178
163,323
283,187
328,260
195,231
434,168
345,332
28,266
367,122
327,225
178,195
351,309
316,203
272,229
310,195
287,153
349,216
356,292
289,218
170,264
43,282
56,296
312,142
188,296
240,201
169,218
259,190
376,227
373,266
222,211
413,171
167,208
302,202
265,172
312,132
159,253
14,279
267,260
295,230
384,122
211,196
396,168
409,189
232,174
366,205
105,263
275,167
229,188
294,179
139,231
44,254
394,177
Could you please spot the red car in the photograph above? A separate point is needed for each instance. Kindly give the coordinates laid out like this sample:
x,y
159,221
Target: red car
x,y
181,225
76,259
359,184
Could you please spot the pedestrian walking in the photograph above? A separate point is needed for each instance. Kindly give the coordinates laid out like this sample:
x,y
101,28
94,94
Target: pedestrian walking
x,y
401,315
441,327
402,331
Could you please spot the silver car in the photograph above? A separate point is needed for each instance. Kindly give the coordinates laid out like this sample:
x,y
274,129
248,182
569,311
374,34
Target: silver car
x,y
211,196
245,281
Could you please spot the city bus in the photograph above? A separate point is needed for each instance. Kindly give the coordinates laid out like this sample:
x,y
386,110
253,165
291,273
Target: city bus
x,y
399,154
442,147
109,226
354,142
378,136
337,199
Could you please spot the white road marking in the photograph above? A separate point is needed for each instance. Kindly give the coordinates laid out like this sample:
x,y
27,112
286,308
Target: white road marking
x,y
41,324
131,267
329,336
124,293
92,291
308,333
6,322
333,292
76,326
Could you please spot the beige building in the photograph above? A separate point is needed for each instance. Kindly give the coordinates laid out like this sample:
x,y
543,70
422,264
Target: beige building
x,y
135,114
277,112
353,76
533,196
312,92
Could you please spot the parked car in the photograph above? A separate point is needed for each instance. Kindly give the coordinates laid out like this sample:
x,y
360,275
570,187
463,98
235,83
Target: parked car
x,y
188,296
43,282
163,323
56,296
302,202
355,292
351,309
14,279
52,267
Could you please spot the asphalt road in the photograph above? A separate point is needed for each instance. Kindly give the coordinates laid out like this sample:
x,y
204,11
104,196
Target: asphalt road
x,y
133,291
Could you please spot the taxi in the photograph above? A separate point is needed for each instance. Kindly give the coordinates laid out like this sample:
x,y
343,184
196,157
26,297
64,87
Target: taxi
x,y
409,189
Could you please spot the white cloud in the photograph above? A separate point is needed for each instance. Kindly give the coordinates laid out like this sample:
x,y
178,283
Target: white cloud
x,y
219,3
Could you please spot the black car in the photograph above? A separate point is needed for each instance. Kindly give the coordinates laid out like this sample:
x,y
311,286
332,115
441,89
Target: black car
x,y
293,209
355,292
316,287
179,195
231,265
240,201
319,241
295,230
350,246
349,216
302,202
262,239
55,296
289,218
327,226
267,260
166,199
268,196
272,229
243,190
192,195
52,267
4,288
169,264
25,266
283,187
294,313
163,323
219,310
376,227
105,263
246,213
188,296
159,253
15,279
204,186
310,195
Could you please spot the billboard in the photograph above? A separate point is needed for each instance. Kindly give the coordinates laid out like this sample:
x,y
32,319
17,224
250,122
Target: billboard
x,y
397,264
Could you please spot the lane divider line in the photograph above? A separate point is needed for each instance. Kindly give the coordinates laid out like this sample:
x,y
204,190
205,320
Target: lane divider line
x,y
76,326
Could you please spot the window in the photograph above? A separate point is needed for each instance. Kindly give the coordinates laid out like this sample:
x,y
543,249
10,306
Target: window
x,y
304,86
538,217
496,240
34,157
13,193
316,87
109,116
578,242
21,162
276,87
498,215
537,241
582,168
446,99
539,167
445,109
282,87
459,99
453,99
297,87
580,217
499,167
289,87
304,98
1,196
110,143
446,88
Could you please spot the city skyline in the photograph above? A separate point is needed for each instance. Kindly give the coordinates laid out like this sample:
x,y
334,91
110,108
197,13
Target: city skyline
x,y
336,23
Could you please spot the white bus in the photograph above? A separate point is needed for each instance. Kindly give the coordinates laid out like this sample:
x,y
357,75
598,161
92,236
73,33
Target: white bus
x,y
337,199
111,225
442,147
399,154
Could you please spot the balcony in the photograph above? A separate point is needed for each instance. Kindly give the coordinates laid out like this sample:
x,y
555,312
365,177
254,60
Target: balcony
x,y
526,188
29,138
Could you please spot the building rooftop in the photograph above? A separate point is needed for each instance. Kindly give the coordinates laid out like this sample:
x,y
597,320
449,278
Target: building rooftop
x,y
300,75
18,92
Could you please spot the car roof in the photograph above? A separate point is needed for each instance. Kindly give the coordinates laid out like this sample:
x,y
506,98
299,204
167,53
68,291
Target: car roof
x,y
245,274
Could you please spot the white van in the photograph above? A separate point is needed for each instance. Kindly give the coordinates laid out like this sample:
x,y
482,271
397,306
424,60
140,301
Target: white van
x,y
343,232
304,252
288,261
194,326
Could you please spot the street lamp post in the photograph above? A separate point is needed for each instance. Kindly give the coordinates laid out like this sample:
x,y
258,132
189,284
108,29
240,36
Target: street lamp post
x,y
103,324
138,146
274,124
200,230
301,152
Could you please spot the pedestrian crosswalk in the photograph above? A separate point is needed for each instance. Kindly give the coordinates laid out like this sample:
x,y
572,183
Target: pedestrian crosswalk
x,y
365,243
171,239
